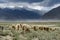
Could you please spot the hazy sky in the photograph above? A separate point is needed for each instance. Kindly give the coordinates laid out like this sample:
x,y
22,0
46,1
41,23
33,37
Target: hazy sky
x,y
40,5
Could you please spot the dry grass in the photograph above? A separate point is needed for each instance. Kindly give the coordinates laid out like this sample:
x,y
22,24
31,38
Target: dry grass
x,y
29,32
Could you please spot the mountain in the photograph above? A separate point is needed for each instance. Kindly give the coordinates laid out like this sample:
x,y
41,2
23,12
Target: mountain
x,y
53,14
16,14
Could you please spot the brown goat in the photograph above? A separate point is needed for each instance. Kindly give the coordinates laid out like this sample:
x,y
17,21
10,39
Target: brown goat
x,y
52,29
35,29
46,28
18,26
41,28
25,29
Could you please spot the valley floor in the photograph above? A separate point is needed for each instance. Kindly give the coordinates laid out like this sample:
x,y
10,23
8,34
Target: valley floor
x,y
7,33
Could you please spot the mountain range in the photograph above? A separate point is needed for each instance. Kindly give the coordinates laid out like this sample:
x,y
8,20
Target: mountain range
x,y
52,14
16,14
22,14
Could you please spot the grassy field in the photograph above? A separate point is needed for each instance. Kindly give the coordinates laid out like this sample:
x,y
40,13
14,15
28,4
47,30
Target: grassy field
x,y
11,34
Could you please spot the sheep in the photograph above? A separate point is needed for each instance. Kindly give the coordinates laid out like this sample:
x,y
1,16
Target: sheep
x,y
35,28
20,26
12,26
53,29
47,28
26,27
17,26
41,28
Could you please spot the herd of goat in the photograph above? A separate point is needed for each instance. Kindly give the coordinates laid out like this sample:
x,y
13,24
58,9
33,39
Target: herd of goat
x,y
26,27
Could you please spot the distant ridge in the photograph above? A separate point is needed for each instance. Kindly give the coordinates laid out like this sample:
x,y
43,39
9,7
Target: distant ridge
x,y
53,14
16,14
